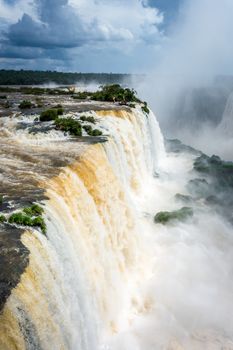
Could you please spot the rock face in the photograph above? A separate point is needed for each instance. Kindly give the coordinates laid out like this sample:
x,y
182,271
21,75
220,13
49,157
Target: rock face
x,y
14,258
217,191
165,217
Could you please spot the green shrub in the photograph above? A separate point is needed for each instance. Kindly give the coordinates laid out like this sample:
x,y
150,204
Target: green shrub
x,y
145,109
25,104
2,218
88,129
25,218
115,93
92,132
88,119
34,210
48,115
69,125
131,105
182,214
82,95
96,132
59,109
20,219
39,222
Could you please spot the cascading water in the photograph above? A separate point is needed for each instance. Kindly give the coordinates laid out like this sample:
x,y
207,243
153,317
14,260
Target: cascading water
x,y
79,286
106,277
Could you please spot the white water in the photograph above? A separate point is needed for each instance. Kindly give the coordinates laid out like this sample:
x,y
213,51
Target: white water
x,y
107,277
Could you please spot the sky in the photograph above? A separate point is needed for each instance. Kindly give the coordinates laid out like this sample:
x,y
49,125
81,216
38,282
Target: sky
x,y
126,36
84,35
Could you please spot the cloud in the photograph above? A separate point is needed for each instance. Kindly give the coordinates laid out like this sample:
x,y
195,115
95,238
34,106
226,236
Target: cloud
x,y
181,87
198,48
64,25
12,10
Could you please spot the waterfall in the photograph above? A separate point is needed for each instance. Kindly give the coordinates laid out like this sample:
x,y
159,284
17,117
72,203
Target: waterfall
x,y
226,125
83,280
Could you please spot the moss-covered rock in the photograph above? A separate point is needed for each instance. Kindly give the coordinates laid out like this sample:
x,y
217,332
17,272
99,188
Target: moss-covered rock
x,y
165,217
183,198
199,188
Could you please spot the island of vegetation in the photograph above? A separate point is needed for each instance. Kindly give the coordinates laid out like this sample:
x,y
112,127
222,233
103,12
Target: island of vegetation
x,y
165,217
27,217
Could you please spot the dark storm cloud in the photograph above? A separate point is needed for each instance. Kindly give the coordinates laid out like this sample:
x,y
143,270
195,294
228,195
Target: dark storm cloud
x,y
59,26
64,30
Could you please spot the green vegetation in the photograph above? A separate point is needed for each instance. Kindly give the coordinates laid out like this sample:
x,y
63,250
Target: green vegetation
x,y
51,114
218,191
182,214
34,210
220,171
92,132
29,216
3,97
69,125
60,111
84,95
39,222
39,103
26,220
212,164
29,77
115,93
74,127
25,104
88,129
131,105
96,132
20,219
145,108
2,218
48,115
88,119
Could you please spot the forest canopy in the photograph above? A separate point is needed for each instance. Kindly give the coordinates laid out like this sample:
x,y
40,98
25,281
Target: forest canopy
x,y
29,77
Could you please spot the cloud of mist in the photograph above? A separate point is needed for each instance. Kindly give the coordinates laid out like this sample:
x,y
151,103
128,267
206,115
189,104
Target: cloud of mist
x,y
196,50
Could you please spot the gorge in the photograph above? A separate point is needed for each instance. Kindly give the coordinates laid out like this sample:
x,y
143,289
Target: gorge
x,y
105,275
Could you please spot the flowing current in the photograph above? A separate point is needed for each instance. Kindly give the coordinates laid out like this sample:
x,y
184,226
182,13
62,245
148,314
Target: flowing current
x,y
107,277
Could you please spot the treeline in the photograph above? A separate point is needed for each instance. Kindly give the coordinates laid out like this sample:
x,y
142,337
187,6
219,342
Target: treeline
x,y
29,77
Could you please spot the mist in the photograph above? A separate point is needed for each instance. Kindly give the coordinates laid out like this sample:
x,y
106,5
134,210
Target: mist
x,y
190,84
